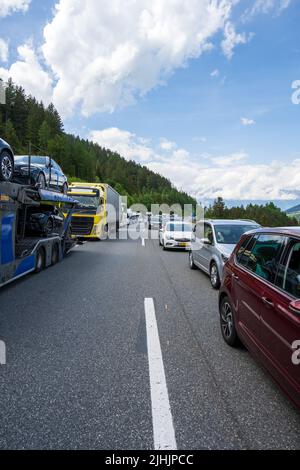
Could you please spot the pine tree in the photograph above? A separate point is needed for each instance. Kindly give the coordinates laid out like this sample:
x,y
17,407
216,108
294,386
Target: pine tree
x,y
11,137
44,137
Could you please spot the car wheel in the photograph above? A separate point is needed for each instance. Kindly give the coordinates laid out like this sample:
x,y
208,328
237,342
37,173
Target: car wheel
x,y
49,227
65,189
40,260
214,276
228,328
191,261
6,166
55,254
41,181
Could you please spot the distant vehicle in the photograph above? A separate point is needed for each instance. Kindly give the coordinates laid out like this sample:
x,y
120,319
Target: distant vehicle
x,y
259,303
154,222
214,242
98,212
6,161
176,235
44,171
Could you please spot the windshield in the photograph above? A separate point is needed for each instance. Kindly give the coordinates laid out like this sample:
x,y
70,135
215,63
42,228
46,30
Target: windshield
x,y
86,202
34,160
179,227
231,234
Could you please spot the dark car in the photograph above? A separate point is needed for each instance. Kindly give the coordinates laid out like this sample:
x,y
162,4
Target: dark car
x,y
45,223
6,161
259,302
43,171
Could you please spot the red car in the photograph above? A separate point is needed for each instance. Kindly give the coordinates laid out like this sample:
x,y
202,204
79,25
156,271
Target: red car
x,y
259,302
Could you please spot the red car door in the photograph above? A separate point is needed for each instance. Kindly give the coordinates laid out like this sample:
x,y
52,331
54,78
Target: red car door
x,y
256,269
280,323
247,295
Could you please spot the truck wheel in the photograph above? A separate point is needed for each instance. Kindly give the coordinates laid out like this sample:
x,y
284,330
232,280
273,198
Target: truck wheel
x,y
55,254
6,166
40,260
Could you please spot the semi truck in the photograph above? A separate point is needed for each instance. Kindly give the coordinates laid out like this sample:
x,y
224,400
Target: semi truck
x,y
34,229
99,210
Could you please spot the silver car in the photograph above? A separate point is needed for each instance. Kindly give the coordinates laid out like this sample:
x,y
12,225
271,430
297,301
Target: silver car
x,y
214,241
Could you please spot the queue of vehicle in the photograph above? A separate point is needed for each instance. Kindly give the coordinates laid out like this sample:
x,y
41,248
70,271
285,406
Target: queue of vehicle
x,y
256,269
257,272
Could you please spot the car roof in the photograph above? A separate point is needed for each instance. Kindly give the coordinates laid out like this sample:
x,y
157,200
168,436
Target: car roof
x,y
231,221
32,156
288,231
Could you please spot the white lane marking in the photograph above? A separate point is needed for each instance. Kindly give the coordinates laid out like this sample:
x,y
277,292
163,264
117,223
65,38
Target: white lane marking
x,y
143,242
163,427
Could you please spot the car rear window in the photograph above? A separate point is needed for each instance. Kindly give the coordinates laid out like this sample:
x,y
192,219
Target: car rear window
x,y
288,278
261,255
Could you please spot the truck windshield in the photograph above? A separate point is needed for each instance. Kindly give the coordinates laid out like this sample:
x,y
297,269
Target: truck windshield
x,y
86,202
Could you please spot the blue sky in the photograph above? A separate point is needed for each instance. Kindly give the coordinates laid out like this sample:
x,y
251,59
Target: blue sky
x,y
197,113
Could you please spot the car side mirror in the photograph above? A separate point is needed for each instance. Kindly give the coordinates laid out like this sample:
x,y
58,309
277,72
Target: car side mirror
x,y
295,307
205,241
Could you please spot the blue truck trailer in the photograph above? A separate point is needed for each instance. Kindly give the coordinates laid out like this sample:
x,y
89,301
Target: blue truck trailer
x,y
34,229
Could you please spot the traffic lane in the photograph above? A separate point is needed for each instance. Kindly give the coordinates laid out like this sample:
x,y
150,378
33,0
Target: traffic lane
x,y
202,419
263,414
77,372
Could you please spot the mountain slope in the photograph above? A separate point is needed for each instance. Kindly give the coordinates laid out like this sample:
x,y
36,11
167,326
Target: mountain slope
x,y
25,120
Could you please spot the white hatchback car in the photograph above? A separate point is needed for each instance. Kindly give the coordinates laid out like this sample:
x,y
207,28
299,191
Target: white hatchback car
x,y
176,234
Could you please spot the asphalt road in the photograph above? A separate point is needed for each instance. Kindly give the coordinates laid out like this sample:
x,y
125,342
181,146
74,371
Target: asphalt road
x,y
77,372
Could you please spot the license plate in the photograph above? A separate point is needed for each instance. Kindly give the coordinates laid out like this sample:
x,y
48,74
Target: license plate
x,y
182,244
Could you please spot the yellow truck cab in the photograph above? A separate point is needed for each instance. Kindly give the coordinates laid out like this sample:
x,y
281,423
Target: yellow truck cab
x,y
98,210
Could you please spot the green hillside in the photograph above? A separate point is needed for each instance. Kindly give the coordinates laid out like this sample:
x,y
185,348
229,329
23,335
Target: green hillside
x,y
23,119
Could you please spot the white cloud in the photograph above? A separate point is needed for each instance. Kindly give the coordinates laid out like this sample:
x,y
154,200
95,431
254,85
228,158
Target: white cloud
x,y
125,143
167,144
106,54
3,51
29,73
232,39
215,73
7,7
267,6
228,160
247,121
232,176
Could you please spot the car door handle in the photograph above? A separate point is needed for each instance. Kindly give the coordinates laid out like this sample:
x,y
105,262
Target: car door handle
x,y
235,276
267,302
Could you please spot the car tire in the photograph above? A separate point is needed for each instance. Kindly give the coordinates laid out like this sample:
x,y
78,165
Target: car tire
x,y
41,180
6,166
214,276
64,189
191,261
227,322
40,260
55,254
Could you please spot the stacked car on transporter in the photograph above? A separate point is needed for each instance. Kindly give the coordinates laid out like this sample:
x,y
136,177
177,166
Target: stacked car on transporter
x,y
34,223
